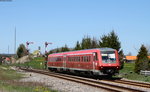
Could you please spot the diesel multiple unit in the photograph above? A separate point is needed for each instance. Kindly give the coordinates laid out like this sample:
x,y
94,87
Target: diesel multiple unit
x,y
99,61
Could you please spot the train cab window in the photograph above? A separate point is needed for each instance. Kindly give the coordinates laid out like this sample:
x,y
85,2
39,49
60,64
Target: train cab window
x,y
108,57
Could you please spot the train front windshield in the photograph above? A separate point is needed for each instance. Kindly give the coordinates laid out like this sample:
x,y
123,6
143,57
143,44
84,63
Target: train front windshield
x,y
108,57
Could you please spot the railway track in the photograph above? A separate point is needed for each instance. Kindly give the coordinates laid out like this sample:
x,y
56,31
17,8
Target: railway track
x,y
133,83
87,81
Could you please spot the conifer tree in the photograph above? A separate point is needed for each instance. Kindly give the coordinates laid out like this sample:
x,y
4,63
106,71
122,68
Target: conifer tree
x,y
111,40
86,43
94,43
78,46
104,41
57,50
142,62
121,59
65,48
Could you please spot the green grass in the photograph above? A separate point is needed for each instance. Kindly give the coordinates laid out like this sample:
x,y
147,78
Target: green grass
x,y
128,72
9,82
37,63
8,74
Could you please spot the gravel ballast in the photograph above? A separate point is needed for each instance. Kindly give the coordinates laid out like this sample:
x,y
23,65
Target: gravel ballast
x,y
64,85
59,84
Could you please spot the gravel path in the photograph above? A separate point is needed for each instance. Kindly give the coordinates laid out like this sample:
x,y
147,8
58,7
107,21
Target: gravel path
x,y
59,84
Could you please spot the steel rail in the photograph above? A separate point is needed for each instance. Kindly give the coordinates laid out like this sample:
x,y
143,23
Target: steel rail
x,y
139,84
87,81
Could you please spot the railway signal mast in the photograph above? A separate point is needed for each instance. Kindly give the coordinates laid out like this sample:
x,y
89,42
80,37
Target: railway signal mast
x,y
27,44
46,44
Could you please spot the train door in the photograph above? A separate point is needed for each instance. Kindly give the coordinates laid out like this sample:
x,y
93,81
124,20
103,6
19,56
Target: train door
x,y
64,62
94,61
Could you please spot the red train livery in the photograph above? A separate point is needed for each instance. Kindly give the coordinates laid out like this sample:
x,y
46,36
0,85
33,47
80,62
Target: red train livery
x,y
99,61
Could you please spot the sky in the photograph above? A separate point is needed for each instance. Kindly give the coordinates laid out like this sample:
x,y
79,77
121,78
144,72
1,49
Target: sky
x,y
68,21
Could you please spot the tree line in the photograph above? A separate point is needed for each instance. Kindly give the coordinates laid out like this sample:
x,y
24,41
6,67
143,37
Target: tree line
x,y
110,40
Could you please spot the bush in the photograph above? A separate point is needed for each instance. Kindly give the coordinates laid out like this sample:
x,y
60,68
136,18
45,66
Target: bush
x,y
21,51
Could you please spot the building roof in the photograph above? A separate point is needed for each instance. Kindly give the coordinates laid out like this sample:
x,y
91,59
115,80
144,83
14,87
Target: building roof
x,y
133,57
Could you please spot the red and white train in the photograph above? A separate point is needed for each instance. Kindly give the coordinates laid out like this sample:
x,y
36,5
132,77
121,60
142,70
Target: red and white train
x,y
99,61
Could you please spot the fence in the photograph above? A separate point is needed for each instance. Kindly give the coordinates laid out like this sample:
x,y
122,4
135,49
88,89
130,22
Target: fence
x,y
146,73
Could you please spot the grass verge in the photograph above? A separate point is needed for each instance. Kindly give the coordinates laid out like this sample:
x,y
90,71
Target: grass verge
x,y
9,82
128,72
36,63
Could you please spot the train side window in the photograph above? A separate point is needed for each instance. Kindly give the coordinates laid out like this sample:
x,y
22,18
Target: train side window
x,y
73,59
76,59
85,58
69,58
89,58
79,59
82,58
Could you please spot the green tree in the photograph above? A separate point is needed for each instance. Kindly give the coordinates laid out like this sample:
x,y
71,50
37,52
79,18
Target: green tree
x,y
142,62
86,43
57,50
21,51
65,48
121,59
78,46
94,43
104,41
111,40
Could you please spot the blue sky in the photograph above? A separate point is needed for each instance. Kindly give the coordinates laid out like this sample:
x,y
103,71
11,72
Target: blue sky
x,y
67,21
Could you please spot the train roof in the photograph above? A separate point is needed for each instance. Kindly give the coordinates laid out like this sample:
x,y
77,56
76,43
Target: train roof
x,y
106,49
101,49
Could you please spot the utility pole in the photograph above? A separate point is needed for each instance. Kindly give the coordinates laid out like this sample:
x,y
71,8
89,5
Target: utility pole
x,y
8,49
15,41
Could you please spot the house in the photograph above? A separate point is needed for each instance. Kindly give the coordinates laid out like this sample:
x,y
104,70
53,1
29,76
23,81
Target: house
x,y
36,53
132,58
